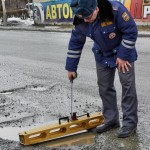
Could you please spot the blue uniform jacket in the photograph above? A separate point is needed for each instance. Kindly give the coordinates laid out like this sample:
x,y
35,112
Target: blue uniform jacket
x,y
111,39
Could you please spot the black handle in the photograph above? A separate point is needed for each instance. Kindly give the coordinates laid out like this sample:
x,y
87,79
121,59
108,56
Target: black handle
x,y
87,114
63,118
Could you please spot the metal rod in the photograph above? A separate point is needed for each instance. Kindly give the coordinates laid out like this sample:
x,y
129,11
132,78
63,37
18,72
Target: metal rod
x,y
71,81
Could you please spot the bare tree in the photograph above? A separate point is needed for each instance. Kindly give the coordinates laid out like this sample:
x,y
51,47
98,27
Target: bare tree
x,y
4,13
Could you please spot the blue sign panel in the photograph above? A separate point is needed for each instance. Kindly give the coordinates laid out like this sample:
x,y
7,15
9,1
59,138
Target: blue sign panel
x,y
53,11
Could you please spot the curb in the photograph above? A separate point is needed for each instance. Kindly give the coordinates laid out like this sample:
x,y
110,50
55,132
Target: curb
x,y
50,29
143,35
57,29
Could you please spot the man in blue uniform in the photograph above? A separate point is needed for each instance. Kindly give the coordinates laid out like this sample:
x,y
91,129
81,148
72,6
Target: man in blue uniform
x,y
114,33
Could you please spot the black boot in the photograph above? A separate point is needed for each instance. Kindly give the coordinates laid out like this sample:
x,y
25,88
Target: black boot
x,y
126,132
106,127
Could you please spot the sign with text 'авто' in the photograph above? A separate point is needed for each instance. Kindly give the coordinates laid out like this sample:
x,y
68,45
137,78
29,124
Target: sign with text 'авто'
x,y
60,11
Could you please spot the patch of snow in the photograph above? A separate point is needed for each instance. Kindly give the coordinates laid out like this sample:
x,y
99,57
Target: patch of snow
x,y
28,22
19,21
14,19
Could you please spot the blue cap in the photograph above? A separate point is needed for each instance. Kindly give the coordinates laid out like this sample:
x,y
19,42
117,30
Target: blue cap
x,y
83,8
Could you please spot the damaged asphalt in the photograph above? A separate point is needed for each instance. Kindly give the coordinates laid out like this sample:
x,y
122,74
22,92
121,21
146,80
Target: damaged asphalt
x,y
35,89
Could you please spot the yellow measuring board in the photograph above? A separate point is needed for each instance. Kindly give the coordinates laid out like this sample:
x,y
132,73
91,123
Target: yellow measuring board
x,y
56,130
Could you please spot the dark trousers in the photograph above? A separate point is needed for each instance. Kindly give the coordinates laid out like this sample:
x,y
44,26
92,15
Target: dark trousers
x,y
108,95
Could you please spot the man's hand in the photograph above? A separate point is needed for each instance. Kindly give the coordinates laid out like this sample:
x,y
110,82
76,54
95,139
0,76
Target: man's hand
x,y
72,75
123,65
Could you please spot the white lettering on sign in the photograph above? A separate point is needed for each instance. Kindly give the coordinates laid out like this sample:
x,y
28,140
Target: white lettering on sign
x,y
146,11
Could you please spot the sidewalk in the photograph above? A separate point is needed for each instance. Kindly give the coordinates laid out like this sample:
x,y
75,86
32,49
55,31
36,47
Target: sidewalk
x,y
66,29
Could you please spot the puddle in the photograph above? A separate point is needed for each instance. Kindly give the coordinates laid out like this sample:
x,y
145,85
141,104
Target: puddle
x,y
84,138
79,138
33,88
11,133
6,93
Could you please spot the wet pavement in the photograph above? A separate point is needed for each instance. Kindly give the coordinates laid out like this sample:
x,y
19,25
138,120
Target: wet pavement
x,y
35,91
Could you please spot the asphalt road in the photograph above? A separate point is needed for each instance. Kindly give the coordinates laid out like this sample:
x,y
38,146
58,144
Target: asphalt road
x,y
35,89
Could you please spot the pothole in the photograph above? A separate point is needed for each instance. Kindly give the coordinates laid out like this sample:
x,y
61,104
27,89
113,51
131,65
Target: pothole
x,y
78,138
12,133
39,88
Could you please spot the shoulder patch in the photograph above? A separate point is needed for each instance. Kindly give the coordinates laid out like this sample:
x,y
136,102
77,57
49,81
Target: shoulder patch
x,y
125,16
